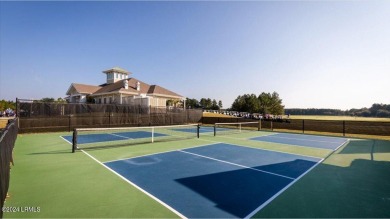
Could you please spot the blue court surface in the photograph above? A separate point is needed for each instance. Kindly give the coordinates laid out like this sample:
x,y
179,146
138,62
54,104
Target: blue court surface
x,y
215,181
104,137
304,140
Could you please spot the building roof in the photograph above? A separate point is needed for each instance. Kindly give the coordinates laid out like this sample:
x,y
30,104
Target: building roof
x,y
153,90
118,87
83,88
157,90
117,69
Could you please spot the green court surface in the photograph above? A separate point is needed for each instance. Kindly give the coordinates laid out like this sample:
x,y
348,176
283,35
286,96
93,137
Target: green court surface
x,y
353,181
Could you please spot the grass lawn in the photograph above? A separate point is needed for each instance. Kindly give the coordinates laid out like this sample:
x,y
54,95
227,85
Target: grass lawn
x,y
208,114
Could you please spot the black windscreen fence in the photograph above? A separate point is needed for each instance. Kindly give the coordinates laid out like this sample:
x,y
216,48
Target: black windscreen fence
x,y
45,117
326,126
7,143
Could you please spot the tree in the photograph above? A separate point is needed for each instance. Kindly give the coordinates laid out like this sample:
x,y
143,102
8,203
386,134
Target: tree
x,y
192,103
246,103
47,99
7,105
220,104
271,104
383,113
214,105
206,103
276,107
61,100
265,103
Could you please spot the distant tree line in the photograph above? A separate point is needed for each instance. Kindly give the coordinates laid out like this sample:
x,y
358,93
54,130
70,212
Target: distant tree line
x,y
265,103
7,104
51,100
204,103
313,111
376,110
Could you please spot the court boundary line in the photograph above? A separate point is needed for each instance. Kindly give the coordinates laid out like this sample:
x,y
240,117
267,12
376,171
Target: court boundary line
x,y
235,164
66,140
294,145
162,152
282,190
246,146
136,186
272,136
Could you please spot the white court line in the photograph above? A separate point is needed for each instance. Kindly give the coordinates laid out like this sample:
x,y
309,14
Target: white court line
x,y
281,191
300,139
120,136
345,143
66,140
237,164
245,146
163,152
133,184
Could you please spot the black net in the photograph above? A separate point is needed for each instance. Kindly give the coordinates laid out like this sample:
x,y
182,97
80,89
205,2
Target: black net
x,y
235,127
92,138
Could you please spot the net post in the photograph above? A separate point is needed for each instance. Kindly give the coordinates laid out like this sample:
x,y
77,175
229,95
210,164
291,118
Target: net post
x,y
74,140
152,134
259,127
303,126
215,129
197,130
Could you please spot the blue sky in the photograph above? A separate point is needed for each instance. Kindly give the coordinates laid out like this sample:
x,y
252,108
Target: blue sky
x,y
331,54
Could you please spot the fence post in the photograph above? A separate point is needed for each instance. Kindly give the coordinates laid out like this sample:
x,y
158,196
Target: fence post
x,y
16,108
303,126
70,122
344,128
272,128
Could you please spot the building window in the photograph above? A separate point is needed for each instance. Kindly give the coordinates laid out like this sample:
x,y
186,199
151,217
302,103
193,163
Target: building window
x,y
104,100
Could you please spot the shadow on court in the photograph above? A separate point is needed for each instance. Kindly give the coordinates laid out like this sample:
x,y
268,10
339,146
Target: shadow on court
x,y
240,192
366,146
359,190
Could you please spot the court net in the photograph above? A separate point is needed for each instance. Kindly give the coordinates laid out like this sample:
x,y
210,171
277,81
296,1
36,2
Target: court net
x,y
89,138
236,127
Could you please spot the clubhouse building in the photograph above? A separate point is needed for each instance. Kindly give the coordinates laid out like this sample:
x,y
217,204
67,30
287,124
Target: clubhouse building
x,y
120,89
